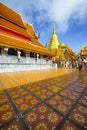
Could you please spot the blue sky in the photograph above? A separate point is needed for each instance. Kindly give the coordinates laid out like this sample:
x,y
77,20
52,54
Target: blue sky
x,y
70,15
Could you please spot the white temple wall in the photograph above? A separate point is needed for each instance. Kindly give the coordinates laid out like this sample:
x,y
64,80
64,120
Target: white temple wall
x,y
10,63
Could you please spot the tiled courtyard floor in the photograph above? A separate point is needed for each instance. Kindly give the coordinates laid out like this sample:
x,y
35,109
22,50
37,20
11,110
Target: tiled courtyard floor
x,y
54,99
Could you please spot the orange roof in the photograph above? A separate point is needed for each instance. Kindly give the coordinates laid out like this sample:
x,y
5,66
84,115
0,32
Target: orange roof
x,y
83,51
30,29
13,27
70,53
18,44
11,15
12,21
36,42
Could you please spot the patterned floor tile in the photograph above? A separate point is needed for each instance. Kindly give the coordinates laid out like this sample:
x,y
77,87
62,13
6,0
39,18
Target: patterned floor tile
x,y
26,102
57,102
61,104
54,88
3,98
13,89
43,93
83,100
44,84
14,126
6,113
77,89
17,93
69,126
85,92
79,115
70,94
33,88
42,118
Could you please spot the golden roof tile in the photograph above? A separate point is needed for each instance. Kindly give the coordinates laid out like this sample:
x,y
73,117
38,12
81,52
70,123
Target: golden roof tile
x,y
10,15
18,44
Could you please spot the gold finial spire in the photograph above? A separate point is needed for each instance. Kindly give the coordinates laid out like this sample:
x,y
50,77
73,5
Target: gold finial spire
x,y
54,29
54,22
54,41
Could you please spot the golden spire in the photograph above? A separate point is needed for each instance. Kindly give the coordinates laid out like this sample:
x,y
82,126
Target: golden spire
x,y
54,29
54,41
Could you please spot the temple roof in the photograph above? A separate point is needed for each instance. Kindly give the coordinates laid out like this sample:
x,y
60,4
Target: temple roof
x,y
63,45
13,27
84,51
15,33
10,15
27,46
30,29
84,48
70,52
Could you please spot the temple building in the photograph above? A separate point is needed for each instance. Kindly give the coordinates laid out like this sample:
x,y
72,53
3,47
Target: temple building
x,y
61,51
19,44
69,54
83,52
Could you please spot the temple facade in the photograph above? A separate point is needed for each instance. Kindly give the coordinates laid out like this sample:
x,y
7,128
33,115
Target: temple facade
x,y
20,48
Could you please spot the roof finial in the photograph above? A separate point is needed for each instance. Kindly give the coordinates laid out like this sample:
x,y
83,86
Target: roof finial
x,y
54,30
54,21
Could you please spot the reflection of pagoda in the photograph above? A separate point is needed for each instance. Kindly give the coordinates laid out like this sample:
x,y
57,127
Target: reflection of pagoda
x,y
56,47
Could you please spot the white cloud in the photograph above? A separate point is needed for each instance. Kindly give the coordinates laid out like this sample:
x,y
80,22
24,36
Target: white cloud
x,y
64,11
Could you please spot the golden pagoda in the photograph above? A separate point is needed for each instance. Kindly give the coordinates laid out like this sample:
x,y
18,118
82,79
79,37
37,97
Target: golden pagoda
x,y
56,47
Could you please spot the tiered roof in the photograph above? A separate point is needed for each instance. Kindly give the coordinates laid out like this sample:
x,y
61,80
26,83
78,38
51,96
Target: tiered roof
x,y
70,53
16,33
84,51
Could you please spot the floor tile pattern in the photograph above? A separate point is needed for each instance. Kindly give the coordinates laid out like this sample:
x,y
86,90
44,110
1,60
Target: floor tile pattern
x,y
55,103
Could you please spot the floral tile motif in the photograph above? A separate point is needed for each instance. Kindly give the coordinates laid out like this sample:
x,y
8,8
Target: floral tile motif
x,y
77,89
60,84
69,126
3,98
54,88
79,115
43,94
85,92
44,84
14,126
42,118
83,85
26,102
84,99
60,103
70,94
6,113
13,88
17,93
33,88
